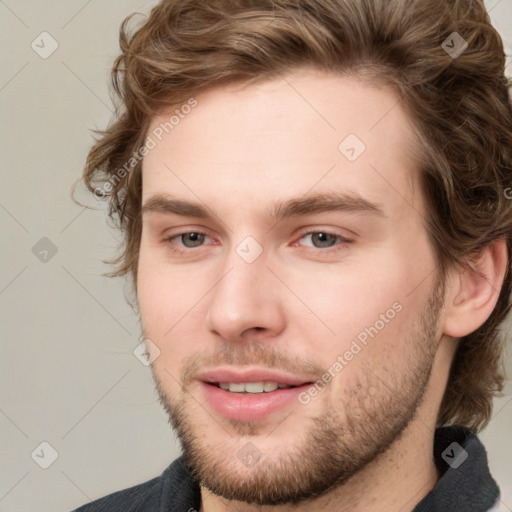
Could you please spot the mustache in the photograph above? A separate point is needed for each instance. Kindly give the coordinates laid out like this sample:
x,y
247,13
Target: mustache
x,y
247,353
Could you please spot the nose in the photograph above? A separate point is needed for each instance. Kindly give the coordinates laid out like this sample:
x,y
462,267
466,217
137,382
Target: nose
x,y
246,301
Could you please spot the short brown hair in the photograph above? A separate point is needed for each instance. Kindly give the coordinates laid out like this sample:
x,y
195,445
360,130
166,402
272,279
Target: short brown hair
x,y
459,104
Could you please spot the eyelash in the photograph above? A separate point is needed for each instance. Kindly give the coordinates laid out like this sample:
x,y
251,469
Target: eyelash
x,y
342,241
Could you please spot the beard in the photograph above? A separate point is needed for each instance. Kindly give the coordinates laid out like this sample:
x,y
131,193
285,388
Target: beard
x,y
351,430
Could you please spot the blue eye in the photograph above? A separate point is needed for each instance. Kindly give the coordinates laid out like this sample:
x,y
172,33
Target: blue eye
x,y
188,239
324,240
321,239
181,242
192,239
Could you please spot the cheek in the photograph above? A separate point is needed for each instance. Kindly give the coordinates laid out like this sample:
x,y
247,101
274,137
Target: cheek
x,y
160,314
165,299
376,302
173,302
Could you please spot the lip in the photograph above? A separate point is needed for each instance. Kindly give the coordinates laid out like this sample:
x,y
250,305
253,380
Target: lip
x,y
248,407
252,375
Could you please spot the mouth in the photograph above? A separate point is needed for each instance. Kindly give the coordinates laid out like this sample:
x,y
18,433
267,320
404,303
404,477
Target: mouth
x,y
251,388
251,395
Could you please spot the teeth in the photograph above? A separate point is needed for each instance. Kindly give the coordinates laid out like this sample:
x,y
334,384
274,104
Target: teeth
x,y
237,387
252,387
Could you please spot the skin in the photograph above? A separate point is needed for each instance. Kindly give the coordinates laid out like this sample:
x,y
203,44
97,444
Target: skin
x,y
240,151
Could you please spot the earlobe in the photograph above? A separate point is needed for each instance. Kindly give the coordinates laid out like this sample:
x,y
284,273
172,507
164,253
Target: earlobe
x,y
475,290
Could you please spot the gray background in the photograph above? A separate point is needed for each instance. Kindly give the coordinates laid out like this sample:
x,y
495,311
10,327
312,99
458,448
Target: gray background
x,y
68,373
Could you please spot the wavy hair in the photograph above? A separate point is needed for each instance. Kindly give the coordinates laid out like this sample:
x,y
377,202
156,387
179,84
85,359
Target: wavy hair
x,y
460,106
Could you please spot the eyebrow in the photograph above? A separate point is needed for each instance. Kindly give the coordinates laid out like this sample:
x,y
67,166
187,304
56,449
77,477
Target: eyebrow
x,y
293,207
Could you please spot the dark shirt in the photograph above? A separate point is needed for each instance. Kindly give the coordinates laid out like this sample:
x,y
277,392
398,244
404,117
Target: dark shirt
x,y
465,485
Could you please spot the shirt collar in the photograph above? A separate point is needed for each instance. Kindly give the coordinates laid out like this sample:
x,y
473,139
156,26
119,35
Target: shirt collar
x,y
465,485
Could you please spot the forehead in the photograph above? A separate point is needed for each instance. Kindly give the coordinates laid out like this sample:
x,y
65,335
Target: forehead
x,y
304,130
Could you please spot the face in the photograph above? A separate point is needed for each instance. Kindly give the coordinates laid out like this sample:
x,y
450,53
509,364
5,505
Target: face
x,y
286,278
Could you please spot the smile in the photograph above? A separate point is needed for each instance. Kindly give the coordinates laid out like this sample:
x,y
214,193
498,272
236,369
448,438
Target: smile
x,y
252,387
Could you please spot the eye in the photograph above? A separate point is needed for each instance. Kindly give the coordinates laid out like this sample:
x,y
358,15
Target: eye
x,y
189,239
180,242
323,239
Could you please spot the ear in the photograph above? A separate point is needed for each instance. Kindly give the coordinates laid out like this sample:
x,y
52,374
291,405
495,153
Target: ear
x,y
472,292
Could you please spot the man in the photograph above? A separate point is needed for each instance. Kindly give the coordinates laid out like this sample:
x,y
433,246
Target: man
x,y
316,224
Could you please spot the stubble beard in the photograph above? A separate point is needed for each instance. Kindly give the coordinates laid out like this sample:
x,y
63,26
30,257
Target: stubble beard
x,y
337,443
